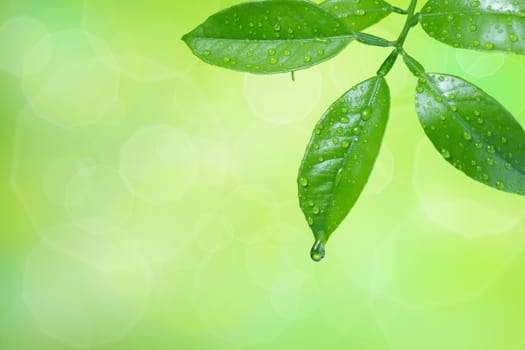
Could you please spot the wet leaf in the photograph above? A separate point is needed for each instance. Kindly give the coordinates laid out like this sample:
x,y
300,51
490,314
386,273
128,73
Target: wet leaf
x,y
358,14
269,36
472,131
476,24
340,157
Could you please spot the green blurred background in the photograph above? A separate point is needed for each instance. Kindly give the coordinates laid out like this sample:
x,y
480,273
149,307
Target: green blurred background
x,y
148,201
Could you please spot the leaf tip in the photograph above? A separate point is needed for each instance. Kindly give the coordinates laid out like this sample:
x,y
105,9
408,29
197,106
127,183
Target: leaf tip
x,y
190,35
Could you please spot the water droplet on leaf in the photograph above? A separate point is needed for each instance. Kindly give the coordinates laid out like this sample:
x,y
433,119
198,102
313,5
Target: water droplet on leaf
x,y
445,153
303,181
367,114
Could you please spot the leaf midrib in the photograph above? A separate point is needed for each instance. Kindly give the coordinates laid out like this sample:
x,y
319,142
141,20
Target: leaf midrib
x,y
386,9
373,95
320,39
467,12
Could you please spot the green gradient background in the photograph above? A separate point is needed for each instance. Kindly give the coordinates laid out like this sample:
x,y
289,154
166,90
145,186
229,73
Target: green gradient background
x,y
148,200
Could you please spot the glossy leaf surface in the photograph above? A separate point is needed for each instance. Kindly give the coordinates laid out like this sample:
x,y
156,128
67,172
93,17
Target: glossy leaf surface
x,y
358,14
472,131
269,36
480,24
340,157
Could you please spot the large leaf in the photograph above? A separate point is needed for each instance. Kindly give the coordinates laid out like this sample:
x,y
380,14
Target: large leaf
x,y
269,36
340,157
481,25
358,14
472,131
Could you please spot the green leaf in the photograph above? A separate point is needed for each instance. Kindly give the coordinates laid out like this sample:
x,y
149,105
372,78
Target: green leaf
x,y
269,36
472,131
358,14
340,157
480,25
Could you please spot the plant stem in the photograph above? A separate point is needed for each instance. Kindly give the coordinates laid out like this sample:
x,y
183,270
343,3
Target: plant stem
x,y
412,20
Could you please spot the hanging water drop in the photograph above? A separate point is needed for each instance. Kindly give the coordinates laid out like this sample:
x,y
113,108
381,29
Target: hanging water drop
x,y
317,252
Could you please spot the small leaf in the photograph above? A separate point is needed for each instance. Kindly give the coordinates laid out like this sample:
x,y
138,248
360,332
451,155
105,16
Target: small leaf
x,y
472,131
358,14
340,157
476,24
269,36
